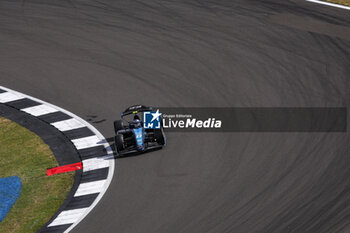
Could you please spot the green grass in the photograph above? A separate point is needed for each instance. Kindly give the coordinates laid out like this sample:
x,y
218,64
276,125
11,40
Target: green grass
x,y
24,154
341,2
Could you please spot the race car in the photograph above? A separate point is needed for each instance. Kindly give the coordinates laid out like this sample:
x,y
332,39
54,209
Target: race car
x,y
132,137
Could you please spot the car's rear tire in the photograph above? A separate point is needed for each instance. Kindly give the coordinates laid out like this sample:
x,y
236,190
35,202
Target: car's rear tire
x,y
118,125
119,143
159,137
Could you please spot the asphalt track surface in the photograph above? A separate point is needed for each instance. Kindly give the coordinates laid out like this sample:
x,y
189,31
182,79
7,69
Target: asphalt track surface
x,y
95,58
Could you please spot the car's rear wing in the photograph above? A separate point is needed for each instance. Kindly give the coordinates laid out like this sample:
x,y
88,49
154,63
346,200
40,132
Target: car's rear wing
x,y
135,109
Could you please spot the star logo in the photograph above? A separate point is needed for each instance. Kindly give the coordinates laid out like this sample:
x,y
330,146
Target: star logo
x,y
151,120
155,115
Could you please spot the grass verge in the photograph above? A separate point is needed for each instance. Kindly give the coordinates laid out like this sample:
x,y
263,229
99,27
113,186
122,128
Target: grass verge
x,y
340,2
24,154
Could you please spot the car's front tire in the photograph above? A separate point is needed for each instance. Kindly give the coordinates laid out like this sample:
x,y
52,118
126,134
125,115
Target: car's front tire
x,y
159,137
118,125
119,143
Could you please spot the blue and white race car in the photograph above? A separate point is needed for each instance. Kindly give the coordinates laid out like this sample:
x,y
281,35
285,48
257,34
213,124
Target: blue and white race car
x,y
132,137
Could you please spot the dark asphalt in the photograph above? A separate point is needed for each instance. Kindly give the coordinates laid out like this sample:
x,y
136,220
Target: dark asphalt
x,y
95,58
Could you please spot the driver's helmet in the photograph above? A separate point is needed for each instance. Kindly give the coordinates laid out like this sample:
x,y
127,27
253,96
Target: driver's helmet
x,y
136,122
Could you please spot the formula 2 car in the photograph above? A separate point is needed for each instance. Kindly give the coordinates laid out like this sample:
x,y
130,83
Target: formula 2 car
x,y
131,136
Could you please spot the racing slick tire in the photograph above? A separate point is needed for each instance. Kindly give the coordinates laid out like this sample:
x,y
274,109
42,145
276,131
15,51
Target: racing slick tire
x,y
118,125
119,143
159,137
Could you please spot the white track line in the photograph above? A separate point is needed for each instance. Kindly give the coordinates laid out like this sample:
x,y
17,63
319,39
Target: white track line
x,y
330,4
39,110
9,96
89,188
68,124
69,216
87,142
95,163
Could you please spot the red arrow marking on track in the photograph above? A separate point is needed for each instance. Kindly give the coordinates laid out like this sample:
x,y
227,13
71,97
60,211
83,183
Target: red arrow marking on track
x,y
65,168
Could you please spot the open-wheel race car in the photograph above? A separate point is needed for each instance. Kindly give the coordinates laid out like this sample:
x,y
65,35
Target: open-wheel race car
x,y
132,137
